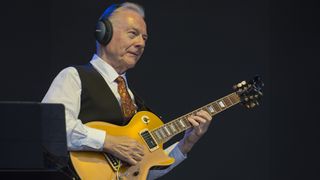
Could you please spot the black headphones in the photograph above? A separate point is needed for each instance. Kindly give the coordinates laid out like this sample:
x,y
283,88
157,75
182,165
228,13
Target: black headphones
x,y
104,30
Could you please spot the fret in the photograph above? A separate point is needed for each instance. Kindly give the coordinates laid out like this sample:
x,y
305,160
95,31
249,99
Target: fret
x,y
182,123
230,100
227,101
205,108
202,108
177,125
194,113
164,136
154,136
173,129
185,120
173,126
234,98
158,135
211,110
221,104
189,114
216,107
167,130
174,122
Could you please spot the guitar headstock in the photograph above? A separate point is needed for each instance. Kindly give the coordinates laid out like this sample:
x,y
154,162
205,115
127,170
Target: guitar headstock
x,y
250,92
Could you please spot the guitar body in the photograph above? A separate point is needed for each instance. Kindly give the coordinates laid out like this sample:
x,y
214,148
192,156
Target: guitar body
x,y
94,165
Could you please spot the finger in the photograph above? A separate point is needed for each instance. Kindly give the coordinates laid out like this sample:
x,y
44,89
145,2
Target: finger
x,y
200,119
135,144
140,152
205,115
131,161
127,159
193,121
139,149
138,146
136,157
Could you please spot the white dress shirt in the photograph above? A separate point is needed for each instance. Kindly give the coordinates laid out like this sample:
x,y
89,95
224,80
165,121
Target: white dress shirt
x,y
66,89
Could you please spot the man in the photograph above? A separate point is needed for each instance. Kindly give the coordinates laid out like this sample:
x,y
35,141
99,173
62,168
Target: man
x,y
75,87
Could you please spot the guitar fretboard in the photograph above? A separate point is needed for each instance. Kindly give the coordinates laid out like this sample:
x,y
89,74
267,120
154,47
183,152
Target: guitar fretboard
x,y
165,132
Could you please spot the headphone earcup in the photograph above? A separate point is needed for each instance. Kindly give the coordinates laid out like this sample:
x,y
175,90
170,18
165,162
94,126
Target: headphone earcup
x,y
104,31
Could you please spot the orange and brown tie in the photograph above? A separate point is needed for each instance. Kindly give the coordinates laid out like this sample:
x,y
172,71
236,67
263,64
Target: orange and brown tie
x,y
127,106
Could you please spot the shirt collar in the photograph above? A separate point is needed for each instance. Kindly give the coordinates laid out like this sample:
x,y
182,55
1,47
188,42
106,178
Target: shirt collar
x,y
105,69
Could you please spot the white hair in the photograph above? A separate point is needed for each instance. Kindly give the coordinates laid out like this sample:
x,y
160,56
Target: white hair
x,y
131,6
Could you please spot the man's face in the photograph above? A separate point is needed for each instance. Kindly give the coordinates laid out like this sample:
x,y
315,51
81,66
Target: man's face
x,y
128,40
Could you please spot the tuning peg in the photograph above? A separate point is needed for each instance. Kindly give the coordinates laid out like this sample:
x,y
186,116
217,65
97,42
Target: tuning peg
x,y
239,85
243,83
240,91
234,87
251,97
257,103
252,104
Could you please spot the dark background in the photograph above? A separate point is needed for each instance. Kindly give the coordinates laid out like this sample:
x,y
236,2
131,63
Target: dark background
x,y
196,51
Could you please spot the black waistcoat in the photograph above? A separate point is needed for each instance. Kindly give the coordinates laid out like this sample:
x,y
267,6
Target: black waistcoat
x,y
98,102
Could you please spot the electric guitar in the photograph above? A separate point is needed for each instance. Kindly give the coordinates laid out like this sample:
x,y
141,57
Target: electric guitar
x,y
152,133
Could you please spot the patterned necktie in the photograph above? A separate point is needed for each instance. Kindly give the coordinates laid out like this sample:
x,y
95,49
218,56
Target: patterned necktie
x,y
127,106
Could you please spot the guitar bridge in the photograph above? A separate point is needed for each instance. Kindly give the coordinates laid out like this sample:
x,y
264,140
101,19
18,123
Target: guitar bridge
x,y
149,140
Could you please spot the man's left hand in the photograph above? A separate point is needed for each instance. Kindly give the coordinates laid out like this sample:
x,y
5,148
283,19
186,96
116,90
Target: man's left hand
x,y
200,122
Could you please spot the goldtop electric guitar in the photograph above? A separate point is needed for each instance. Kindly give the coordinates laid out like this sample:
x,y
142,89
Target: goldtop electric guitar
x,y
152,133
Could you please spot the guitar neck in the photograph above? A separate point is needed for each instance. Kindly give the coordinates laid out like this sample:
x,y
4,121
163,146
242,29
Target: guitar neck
x,y
165,132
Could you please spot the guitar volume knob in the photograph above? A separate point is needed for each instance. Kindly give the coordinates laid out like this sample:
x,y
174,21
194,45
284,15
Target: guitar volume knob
x,y
136,173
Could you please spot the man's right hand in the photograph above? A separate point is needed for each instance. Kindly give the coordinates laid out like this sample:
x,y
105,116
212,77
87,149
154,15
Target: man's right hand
x,y
124,148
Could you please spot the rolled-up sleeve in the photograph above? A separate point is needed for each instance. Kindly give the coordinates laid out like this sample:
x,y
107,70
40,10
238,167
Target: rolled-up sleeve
x,y
66,89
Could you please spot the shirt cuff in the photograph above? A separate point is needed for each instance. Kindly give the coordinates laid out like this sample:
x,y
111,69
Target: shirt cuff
x,y
177,155
95,139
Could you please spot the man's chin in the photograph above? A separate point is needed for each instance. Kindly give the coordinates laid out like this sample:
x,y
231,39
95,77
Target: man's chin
x,y
131,63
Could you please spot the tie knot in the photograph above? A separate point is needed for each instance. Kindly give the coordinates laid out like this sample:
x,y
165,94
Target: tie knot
x,y
120,79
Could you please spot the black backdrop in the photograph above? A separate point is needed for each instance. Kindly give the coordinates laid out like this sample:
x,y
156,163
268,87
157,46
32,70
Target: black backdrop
x,y
197,50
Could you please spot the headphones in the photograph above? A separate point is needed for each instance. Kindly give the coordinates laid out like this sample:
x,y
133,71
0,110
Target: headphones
x,y
104,30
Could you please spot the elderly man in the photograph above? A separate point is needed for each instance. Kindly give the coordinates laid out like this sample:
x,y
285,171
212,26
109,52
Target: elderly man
x,y
100,91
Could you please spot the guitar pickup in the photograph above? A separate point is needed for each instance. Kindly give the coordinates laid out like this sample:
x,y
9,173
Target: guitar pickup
x,y
149,140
